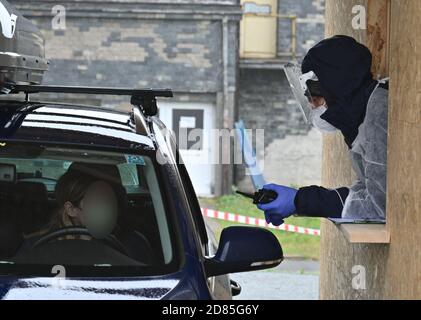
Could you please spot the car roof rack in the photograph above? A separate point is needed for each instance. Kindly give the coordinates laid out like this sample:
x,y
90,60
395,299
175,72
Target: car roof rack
x,y
145,99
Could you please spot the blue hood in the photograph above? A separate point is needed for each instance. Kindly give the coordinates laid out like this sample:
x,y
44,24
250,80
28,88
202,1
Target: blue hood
x,y
343,67
85,289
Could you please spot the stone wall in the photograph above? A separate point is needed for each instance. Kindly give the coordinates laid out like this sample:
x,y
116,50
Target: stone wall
x,y
292,148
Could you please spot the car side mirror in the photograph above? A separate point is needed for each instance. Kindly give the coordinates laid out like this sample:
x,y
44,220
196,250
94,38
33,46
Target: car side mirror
x,y
244,249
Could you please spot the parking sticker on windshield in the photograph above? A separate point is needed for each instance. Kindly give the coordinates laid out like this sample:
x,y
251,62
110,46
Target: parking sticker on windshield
x,y
135,159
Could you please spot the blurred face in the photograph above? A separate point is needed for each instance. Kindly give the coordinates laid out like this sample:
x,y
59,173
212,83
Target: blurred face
x,y
97,211
316,102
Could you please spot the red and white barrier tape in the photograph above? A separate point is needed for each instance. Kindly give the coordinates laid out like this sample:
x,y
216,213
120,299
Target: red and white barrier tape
x,y
227,216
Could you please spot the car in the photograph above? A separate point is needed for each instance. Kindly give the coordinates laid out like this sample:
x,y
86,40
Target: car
x,y
160,248
96,203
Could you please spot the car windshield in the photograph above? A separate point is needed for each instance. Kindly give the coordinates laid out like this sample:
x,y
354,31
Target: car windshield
x,y
85,210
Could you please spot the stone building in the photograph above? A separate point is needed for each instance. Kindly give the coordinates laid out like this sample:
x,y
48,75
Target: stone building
x,y
193,47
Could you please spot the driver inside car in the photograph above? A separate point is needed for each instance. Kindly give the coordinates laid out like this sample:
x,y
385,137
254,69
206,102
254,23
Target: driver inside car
x,y
86,202
83,201
89,205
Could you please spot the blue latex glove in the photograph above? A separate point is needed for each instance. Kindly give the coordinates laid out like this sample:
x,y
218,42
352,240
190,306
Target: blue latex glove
x,y
280,208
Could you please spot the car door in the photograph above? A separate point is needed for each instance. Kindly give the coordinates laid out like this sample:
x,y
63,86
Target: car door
x,y
219,286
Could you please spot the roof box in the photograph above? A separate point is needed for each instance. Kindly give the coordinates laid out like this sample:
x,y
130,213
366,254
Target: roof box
x,y
22,53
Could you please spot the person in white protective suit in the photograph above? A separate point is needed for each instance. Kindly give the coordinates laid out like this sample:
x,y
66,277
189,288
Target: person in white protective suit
x,y
337,92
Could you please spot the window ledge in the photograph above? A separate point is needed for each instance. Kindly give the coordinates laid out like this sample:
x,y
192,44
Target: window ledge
x,y
365,233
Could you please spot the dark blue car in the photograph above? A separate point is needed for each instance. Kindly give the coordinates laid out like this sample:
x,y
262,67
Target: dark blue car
x,y
95,203
158,247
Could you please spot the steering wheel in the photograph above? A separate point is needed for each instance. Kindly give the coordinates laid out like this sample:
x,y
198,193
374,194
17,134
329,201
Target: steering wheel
x,y
111,240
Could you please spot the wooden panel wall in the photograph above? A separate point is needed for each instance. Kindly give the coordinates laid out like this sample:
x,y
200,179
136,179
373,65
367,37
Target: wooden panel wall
x,y
403,276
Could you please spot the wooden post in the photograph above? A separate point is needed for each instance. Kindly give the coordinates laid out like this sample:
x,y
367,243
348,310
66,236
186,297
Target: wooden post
x,y
403,276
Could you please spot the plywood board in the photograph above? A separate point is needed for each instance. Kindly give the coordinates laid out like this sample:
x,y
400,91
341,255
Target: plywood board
x,y
365,233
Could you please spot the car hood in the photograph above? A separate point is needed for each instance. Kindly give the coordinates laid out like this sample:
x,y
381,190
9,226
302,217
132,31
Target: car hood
x,y
12,288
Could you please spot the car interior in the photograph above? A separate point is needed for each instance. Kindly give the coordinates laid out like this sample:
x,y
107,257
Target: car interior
x,y
28,177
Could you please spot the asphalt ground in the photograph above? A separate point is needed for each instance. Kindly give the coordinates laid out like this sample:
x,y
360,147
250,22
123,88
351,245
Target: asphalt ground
x,y
291,280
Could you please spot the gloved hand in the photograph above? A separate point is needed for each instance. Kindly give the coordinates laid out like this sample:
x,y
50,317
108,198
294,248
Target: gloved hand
x,y
280,208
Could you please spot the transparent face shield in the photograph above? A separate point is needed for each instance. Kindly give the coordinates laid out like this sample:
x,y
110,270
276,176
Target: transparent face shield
x,y
298,83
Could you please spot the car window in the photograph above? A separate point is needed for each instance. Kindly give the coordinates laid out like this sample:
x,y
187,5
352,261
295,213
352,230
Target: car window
x,y
83,208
